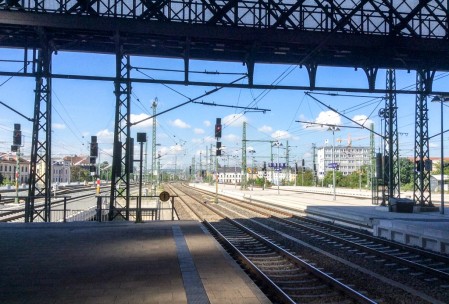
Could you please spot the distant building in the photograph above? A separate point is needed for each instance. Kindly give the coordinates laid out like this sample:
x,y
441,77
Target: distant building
x,y
348,159
231,175
60,171
8,166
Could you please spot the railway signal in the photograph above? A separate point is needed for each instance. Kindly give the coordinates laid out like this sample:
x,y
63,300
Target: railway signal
x,y
218,128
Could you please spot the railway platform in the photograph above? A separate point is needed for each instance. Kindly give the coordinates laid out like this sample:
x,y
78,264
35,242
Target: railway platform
x,y
429,230
118,262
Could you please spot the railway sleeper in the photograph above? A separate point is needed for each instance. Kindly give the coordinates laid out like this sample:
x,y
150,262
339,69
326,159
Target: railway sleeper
x,y
330,297
251,251
296,282
271,264
274,258
317,289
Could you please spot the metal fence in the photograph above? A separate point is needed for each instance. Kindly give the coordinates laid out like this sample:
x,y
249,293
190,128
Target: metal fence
x,y
27,210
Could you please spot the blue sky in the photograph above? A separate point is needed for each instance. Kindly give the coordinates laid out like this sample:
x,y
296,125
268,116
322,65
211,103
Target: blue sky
x,y
85,108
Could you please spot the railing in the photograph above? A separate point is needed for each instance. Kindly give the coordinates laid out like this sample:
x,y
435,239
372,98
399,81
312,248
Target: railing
x,y
27,211
134,211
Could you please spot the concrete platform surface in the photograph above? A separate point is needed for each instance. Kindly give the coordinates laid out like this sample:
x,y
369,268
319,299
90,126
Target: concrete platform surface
x,y
118,262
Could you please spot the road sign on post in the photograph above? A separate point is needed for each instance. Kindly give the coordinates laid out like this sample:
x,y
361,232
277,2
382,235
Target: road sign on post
x,y
332,165
164,196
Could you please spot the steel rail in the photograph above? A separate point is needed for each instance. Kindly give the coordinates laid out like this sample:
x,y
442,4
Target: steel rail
x,y
274,290
436,257
403,261
311,269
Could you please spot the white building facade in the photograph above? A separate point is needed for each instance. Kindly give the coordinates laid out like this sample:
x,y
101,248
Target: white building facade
x,y
349,159
231,176
60,171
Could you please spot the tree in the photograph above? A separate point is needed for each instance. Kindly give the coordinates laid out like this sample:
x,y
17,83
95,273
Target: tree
x,y
105,171
406,171
1,179
79,173
329,179
305,179
437,168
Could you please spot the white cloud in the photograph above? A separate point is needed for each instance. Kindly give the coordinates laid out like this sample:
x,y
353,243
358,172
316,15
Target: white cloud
x,y
265,129
204,140
433,145
234,120
58,126
307,155
179,124
207,123
138,117
328,117
281,134
209,139
232,138
324,118
105,135
363,120
198,131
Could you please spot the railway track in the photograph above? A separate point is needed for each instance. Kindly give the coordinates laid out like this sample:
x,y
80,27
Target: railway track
x,y
17,213
414,258
404,273
284,277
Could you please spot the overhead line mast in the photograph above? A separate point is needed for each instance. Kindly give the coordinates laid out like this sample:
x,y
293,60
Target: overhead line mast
x,y
153,150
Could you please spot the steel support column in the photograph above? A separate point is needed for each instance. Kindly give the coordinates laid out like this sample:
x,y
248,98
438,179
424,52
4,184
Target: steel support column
x,y
421,191
121,161
39,184
153,150
391,144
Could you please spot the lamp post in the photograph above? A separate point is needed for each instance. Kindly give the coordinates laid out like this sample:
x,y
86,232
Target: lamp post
x,y
441,99
296,172
236,158
252,151
278,144
333,129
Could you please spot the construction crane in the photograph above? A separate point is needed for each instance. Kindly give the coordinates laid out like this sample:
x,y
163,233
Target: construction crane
x,y
351,140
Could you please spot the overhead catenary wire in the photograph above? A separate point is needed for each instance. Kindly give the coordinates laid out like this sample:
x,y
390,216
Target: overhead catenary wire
x,y
334,110
186,102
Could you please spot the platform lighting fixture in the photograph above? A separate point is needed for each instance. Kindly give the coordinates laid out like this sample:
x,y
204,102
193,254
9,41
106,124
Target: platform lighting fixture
x,y
441,100
278,145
